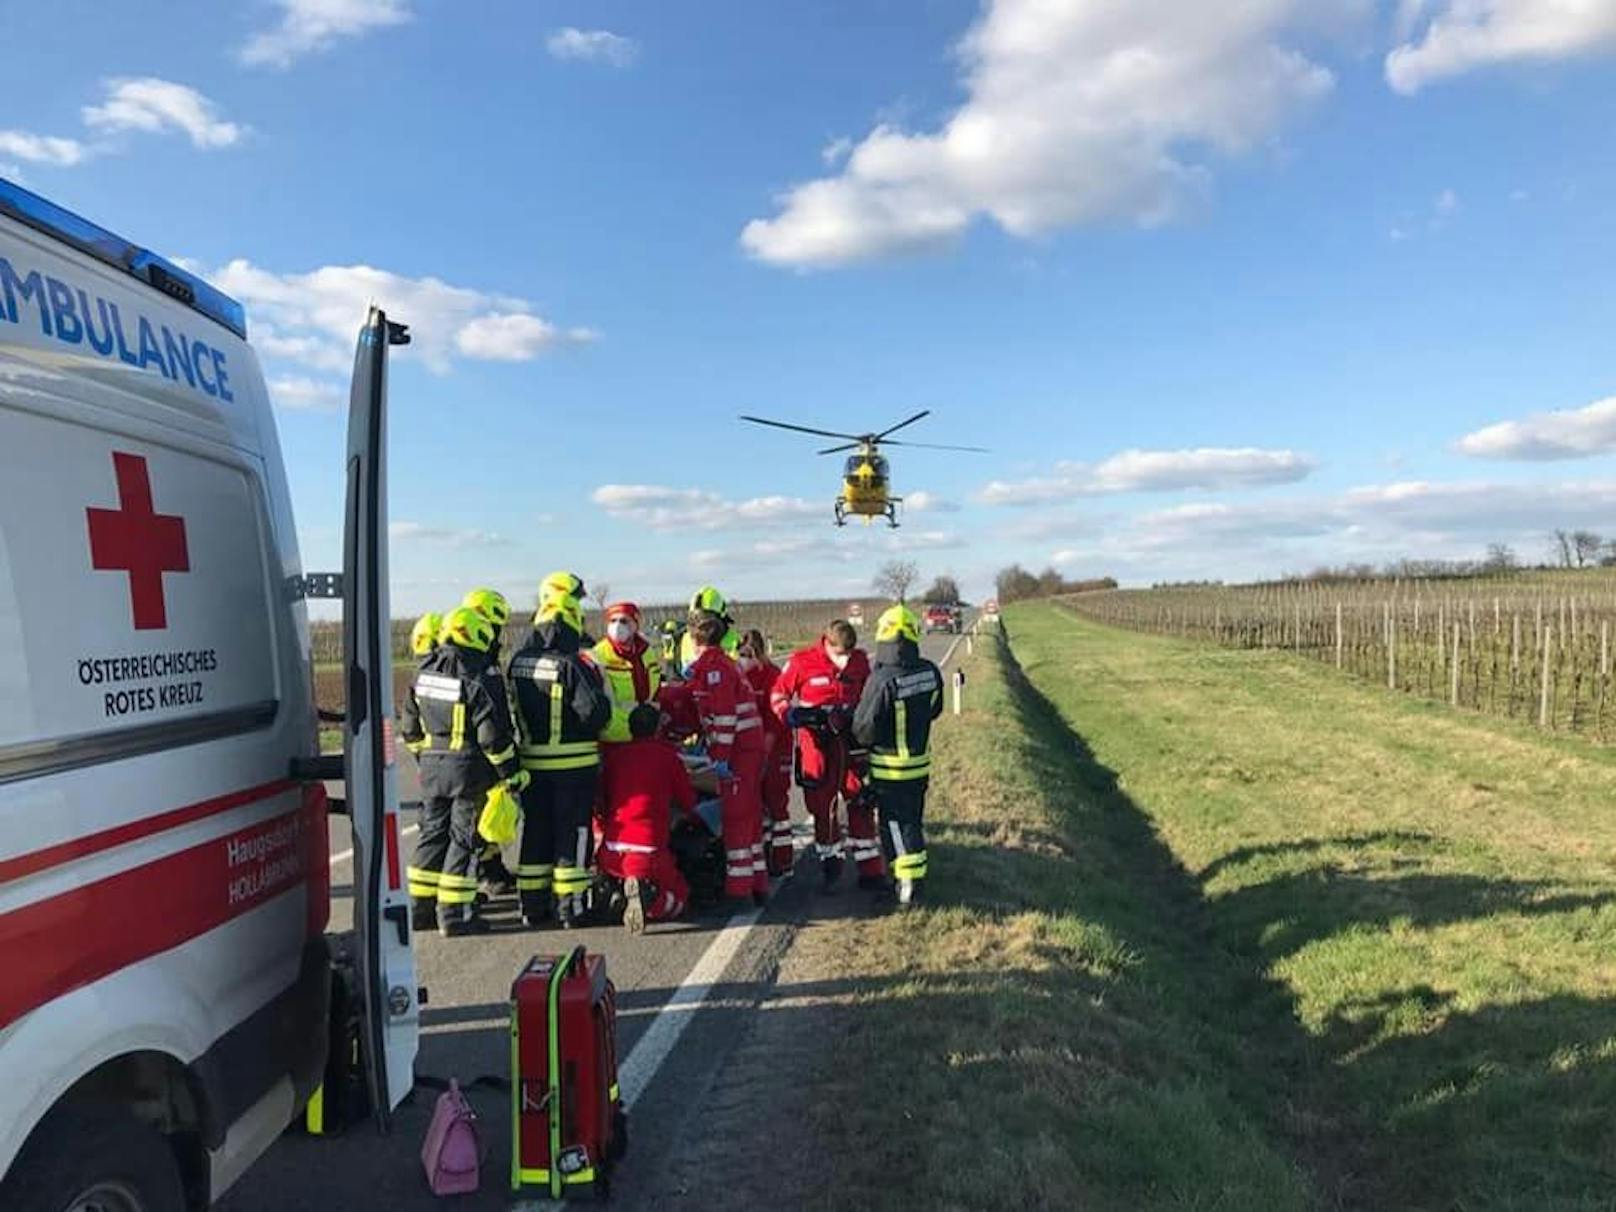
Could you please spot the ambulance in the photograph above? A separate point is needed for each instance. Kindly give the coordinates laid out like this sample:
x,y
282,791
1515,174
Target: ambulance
x,y
166,974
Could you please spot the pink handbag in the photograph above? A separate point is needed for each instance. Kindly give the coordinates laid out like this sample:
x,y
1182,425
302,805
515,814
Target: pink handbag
x,y
451,1152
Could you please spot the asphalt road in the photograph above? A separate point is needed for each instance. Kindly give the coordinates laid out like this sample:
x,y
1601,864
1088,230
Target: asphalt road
x,y
687,1031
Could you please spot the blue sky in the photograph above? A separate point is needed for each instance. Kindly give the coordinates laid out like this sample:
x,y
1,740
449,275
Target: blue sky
x,y
1228,290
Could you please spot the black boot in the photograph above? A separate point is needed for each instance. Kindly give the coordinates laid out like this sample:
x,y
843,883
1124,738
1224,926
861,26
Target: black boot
x,y
538,908
830,871
872,883
423,914
462,926
497,877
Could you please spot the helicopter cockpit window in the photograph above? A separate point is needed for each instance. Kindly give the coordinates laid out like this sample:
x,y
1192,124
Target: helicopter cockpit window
x,y
854,462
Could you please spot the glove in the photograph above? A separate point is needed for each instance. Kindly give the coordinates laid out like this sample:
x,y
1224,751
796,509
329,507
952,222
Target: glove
x,y
518,782
724,771
841,719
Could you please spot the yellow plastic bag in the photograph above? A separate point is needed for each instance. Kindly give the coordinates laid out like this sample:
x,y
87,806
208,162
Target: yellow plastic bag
x,y
501,817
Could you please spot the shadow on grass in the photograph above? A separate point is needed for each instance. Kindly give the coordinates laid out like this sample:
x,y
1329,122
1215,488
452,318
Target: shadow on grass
x,y
1440,1105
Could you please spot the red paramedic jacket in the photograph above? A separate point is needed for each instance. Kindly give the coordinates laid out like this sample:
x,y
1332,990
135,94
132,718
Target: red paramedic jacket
x,y
730,721
762,676
641,782
810,679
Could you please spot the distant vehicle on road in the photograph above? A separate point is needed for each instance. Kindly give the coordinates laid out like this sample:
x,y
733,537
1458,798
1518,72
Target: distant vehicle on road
x,y
942,618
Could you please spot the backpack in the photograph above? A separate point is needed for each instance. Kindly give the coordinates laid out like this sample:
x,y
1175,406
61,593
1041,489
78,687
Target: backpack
x,y
451,1153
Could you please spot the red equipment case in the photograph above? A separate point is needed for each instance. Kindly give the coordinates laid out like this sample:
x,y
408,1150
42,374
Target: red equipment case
x,y
568,1126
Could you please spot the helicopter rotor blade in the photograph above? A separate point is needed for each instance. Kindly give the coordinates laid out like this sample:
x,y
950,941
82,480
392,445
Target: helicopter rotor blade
x,y
924,412
821,433
839,449
937,446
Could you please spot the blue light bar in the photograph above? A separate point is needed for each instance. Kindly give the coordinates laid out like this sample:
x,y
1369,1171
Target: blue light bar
x,y
157,272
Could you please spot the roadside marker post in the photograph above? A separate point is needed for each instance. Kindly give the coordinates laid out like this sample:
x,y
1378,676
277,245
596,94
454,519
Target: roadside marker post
x,y
959,689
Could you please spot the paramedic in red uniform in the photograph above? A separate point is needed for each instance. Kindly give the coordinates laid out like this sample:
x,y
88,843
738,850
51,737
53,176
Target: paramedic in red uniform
x,y
643,781
763,673
733,731
815,695
461,737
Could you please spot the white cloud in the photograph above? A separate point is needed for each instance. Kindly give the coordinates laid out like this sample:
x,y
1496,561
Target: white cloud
x,y
148,104
592,46
834,152
1375,524
922,501
1460,35
1077,112
42,149
298,393
1156,471
1446,202
1572,433
447,536
307,26
314,317
661,508
515,337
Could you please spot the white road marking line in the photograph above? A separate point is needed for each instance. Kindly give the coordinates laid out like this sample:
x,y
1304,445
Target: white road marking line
x,y
652,1048
348,854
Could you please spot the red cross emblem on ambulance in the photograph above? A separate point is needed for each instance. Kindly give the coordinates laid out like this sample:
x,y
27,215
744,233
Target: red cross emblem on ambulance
x,y
137,540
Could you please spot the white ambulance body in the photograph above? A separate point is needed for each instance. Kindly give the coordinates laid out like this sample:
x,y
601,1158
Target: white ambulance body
x,y
164,883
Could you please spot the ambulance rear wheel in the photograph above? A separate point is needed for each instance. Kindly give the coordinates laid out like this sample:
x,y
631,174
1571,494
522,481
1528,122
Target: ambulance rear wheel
x,y
94,1158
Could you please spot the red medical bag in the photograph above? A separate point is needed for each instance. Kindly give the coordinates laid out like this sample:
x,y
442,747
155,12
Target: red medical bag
x,y
568,1123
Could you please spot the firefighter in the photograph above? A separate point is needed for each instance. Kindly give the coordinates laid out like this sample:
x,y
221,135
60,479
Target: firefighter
x,y
707,600
673,635
497,879
561,707
424,635
763,673
461,738
733,732
632,674
643,781
815,695
894,717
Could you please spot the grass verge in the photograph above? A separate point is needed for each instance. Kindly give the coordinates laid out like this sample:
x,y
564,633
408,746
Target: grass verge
x,y
1055,1031
1431,896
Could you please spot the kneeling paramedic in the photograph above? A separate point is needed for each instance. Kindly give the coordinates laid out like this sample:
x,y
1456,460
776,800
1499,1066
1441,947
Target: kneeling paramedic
x,y
461,737
561,707
497,879
643,782
733,732
901,699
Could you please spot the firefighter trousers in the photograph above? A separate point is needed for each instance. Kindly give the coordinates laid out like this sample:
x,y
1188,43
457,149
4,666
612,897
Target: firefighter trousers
x,y
444,869
903,827
777,805
556,841
741,805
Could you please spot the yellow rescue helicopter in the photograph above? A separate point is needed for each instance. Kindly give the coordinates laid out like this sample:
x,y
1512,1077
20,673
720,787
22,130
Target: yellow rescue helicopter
x,y
866,483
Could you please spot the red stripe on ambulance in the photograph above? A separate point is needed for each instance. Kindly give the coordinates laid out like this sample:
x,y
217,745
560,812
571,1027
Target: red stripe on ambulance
x,y
134,831
66,942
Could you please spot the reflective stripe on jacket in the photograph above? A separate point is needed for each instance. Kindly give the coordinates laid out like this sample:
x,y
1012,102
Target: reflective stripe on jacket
x,y
455,713
900,701
561,702
621,683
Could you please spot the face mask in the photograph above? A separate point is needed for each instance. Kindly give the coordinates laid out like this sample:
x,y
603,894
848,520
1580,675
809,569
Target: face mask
x,y
621,631
838,659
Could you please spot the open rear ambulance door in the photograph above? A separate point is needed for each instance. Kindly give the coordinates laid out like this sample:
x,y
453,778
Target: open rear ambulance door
x,y
384,961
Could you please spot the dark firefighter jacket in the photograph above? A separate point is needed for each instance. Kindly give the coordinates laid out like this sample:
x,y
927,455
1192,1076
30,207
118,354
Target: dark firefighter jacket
x,y
561,701
455,717
902,697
